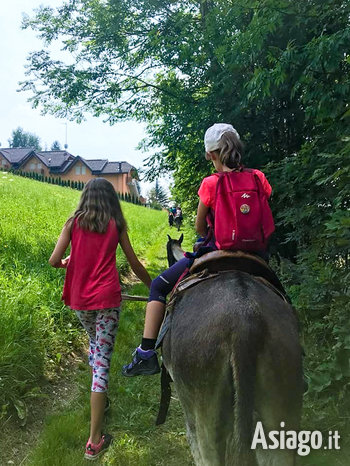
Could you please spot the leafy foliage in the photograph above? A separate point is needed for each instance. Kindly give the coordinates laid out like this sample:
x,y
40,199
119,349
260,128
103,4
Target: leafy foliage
x,y
157,197
278,70
21,138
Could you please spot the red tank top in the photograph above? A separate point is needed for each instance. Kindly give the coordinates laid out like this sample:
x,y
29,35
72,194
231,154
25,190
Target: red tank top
x,y
92,280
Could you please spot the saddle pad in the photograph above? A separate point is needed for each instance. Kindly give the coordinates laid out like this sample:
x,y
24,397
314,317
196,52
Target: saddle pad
x,y
217,261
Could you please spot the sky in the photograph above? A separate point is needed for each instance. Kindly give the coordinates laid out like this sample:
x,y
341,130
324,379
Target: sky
x,y
90,139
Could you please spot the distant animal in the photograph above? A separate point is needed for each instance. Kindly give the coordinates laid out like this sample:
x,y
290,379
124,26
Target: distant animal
x,y
233,352
178,222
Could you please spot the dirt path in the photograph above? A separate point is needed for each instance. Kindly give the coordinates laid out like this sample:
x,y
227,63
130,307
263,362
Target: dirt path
x,y
58,390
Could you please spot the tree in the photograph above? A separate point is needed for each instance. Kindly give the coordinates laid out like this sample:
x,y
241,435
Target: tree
x,y
160,194
152,199
157,197
56,146
278,70
21,138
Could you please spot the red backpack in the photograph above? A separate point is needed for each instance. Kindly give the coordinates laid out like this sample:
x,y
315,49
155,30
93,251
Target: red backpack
x,y
243,218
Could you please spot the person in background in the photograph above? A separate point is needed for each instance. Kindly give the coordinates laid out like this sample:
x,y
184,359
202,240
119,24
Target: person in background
x,y
170,217
178,213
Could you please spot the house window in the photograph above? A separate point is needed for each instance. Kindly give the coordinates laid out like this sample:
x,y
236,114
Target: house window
x,y
3,162
39,166
32,166
78,170
83,170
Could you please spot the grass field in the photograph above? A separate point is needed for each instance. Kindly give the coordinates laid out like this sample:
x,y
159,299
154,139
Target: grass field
x,y
37,332
36,328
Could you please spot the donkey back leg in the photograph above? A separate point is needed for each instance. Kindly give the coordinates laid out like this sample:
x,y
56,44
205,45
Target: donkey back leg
x,y
278,402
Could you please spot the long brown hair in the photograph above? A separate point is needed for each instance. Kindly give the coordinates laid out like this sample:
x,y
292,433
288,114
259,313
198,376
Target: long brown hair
x,y
230,150
99,204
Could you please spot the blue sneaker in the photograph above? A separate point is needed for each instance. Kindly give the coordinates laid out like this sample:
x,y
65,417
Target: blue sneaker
x,y
144,363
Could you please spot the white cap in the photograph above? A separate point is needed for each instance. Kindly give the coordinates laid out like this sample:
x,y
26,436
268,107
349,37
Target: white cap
x,y
213,135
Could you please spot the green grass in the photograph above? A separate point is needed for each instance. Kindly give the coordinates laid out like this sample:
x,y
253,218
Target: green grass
x,y
135,402
36,328
37,331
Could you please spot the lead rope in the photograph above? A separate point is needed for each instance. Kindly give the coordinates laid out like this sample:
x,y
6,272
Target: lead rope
x,y
128,297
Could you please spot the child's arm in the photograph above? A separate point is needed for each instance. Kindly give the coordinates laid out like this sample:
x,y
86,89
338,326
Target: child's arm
x,y
60,248
201,223
135,264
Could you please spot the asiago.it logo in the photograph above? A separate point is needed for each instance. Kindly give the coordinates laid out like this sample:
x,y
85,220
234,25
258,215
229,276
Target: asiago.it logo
x,y
303,441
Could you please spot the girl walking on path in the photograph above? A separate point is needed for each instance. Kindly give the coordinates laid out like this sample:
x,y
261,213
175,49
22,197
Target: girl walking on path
x,y
224,149
92,287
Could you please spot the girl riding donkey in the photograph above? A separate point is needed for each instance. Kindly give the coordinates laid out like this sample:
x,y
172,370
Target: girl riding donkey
x,y
224,148
92,287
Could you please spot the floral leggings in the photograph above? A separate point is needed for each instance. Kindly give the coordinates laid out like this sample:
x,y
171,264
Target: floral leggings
x,y
101,326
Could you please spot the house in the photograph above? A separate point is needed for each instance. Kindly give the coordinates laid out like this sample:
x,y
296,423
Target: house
x,y
46,163
14,157
67,167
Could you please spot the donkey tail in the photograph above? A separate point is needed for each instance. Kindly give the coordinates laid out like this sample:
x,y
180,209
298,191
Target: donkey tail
x,y
244,366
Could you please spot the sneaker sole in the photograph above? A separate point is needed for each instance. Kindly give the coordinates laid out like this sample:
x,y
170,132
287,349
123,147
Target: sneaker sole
x,y
125,374
92,458
95,457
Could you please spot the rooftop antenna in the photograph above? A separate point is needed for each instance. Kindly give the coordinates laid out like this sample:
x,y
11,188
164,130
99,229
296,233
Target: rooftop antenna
x,y
66,144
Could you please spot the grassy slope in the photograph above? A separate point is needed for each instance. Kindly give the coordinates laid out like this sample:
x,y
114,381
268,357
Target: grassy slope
x,y
36,329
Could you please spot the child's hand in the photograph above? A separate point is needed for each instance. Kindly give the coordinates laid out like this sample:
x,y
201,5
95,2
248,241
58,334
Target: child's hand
x,y
198,244
64,262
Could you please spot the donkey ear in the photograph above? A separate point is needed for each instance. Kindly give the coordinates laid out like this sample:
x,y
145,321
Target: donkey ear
x,y
181,238
169,237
